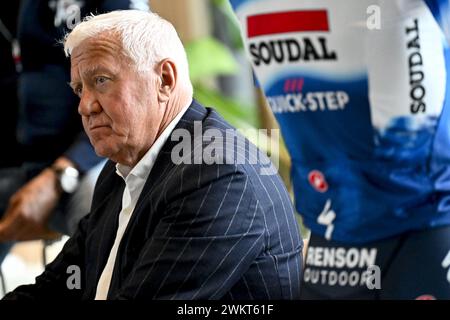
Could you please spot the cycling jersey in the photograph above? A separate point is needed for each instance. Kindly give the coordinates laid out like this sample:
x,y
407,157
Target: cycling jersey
x,y
359,88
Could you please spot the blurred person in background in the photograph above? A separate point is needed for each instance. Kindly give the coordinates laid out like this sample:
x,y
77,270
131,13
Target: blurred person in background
x,y
9,105
8,83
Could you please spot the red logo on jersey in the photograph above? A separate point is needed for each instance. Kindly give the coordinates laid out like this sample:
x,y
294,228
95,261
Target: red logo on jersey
x,y
294,85
284,22
317,181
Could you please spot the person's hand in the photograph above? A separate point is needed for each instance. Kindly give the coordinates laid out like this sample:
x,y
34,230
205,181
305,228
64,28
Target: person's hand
x,y
30,208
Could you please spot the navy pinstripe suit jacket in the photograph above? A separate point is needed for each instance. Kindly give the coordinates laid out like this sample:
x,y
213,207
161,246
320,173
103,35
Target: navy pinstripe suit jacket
x,y
220,231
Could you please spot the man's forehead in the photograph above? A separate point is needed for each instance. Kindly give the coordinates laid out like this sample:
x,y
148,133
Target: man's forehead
x,y
96,46
96,54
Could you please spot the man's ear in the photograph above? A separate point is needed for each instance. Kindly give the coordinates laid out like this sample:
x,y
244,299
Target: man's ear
x,y
168,79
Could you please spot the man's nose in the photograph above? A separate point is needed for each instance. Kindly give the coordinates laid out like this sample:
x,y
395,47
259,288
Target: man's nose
x,y
88,104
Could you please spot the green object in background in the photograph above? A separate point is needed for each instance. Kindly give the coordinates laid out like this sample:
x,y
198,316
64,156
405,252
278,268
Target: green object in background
x,y
240,116
232,25
208,57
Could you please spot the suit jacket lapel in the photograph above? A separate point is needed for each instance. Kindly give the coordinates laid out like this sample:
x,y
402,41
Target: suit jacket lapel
x,y
101,239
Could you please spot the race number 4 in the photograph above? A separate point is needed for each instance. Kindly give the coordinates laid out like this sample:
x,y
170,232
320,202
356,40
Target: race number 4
x,y
326,218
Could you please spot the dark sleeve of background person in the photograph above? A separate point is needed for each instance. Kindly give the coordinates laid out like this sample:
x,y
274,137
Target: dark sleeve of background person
x,y
8,87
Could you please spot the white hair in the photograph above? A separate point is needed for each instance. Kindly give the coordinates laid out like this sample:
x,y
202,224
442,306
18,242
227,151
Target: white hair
x,y
146,39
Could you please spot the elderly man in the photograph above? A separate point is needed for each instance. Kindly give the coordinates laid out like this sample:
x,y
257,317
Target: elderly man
x,y
157,229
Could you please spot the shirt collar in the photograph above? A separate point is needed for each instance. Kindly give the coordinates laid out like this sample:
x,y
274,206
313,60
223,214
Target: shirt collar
x,y
142,169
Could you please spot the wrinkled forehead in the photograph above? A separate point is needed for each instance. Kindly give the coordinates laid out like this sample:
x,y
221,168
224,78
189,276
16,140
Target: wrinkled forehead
x,y
96,52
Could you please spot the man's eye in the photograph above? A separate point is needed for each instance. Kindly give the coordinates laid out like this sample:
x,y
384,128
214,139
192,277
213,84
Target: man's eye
x,y
78,91
100,80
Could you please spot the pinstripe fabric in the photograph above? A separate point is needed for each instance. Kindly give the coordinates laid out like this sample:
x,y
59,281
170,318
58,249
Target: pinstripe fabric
x,y
220,231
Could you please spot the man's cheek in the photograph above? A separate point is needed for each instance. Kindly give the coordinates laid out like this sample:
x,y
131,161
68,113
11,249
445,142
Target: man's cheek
x,y
84,121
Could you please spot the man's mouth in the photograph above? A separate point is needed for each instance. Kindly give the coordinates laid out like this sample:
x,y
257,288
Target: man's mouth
x,y
98,127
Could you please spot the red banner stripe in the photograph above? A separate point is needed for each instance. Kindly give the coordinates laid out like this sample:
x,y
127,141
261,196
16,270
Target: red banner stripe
x,y
290,21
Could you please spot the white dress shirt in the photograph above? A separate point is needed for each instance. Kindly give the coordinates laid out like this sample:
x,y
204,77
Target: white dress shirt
x,y
135,179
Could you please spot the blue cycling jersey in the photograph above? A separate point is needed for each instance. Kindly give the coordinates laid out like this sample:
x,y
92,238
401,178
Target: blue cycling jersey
x,y
359,88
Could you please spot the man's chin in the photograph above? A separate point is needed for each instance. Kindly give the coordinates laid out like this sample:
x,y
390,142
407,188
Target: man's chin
x,y
103,150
